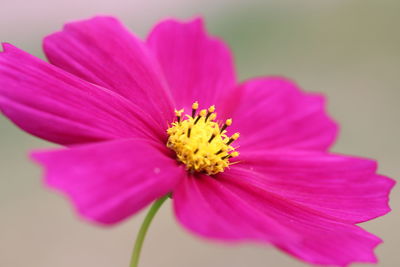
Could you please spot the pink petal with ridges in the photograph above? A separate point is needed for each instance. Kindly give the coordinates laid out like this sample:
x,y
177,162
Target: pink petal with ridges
x,y
346,188
102,51
321,238
233,208
272,112
57,106
110,181
197,66
202,206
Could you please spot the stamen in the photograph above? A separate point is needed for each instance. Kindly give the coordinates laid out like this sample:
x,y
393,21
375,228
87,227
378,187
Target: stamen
x,y
197,119
211,138
228,122
178,114
214,134
195,141
220,151
195,106
213,116
233,138
210,111
201,114
232,155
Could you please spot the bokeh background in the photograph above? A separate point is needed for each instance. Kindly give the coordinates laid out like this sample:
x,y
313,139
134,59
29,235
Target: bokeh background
x,y
346,49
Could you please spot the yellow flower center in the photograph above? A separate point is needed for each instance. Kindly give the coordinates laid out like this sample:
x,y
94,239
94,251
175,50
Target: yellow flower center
x,y
200,142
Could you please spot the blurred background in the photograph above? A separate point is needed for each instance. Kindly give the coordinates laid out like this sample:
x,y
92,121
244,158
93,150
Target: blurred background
x,y
346,49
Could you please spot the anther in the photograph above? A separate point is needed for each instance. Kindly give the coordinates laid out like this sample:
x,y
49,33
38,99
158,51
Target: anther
x,y
211,109
228,122
201,114
234,137
220,151
215,133
195,106
178,114
211,138
189,131
213,116
232,155
197,120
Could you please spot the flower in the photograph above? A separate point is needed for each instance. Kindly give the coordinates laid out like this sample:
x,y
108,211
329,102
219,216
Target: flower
x,y
116,103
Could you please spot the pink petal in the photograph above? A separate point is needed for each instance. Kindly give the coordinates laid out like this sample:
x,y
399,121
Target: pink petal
x,y
233,208
202,207
102,51
273,112
57,106
109,181
346,188
197,66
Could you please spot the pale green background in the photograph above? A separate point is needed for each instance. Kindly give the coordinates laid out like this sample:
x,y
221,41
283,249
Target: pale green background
x,y
349,50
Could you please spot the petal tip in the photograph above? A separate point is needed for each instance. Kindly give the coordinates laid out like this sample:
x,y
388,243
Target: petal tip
x,y
38,156
95,18
6,47
197,22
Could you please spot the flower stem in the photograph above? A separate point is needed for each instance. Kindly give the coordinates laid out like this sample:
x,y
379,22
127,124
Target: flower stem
x,y
143,230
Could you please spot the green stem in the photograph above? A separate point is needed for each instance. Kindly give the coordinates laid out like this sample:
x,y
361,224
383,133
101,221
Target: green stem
x,y
143,230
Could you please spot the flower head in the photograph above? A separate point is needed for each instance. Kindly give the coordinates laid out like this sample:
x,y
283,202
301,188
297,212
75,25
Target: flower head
x,y
200,143
139,120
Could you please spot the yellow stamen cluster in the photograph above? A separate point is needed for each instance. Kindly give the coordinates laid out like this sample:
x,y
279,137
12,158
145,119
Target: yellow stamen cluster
x,y
200,142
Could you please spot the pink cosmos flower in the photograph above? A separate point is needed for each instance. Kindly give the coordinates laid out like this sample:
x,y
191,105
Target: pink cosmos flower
x,y
110,99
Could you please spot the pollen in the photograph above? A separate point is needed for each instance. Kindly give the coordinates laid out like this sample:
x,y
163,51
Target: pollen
x,y
201,142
